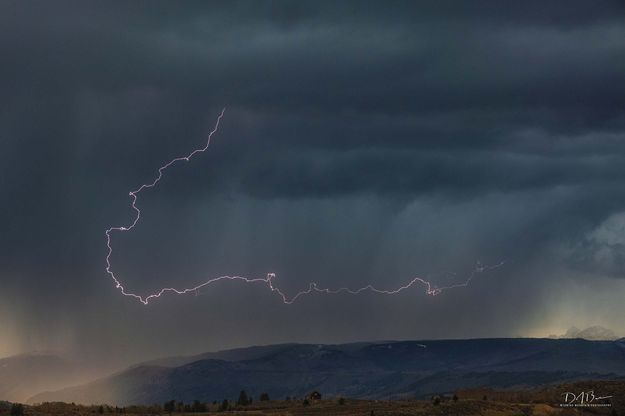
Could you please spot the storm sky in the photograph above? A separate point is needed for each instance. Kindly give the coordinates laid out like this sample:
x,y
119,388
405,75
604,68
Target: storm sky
x,y
363,142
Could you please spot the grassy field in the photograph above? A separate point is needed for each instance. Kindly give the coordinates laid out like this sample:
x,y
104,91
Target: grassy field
x,y
350,408
327,407
484,402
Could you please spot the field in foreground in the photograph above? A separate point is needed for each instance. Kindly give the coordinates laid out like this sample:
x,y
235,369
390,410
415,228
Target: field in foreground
x,y
486,402
325,407
349,408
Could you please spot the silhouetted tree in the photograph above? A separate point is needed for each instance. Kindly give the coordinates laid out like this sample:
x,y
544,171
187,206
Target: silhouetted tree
x,y
101,409
198,406
264,397
224,405
243,399
170,406
17,409
341,401
455,398
305,402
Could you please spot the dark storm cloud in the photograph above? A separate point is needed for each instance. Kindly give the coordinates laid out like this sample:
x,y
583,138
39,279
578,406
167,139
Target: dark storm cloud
x,y
421,132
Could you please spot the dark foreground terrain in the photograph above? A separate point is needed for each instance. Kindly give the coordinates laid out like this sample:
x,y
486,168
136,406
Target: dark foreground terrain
x,y
486,402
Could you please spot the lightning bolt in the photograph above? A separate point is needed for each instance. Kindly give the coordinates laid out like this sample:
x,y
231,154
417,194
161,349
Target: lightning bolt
x,y
268,281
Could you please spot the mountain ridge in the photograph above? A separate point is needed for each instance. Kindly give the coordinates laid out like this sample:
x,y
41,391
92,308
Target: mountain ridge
x,y
363,370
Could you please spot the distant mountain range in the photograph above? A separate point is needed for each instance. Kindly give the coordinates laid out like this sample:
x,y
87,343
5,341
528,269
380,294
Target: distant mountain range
x,y
593,333
366,370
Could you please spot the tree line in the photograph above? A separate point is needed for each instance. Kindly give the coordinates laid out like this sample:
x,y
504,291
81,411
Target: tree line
x,y
197,406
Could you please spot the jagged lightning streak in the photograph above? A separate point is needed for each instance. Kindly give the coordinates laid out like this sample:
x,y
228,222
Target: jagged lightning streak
x,y
430,289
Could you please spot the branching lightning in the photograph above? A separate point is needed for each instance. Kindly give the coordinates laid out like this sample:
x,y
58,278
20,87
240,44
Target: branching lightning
x,y
430,288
